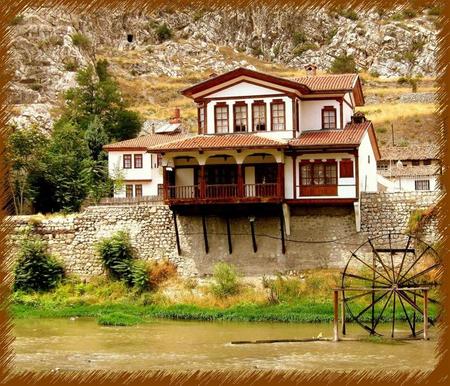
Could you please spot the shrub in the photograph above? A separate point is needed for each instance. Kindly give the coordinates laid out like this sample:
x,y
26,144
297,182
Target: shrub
x,y
435,11
300,49
36,269
116,253
16,20
343,64
349,14
226,280
161,271
164,32
409,13
80,40
282,288
298,37
374,74
140,275
118,319
71,65
330,35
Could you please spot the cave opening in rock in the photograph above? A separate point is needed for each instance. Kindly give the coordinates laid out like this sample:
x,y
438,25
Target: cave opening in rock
x,y
130,38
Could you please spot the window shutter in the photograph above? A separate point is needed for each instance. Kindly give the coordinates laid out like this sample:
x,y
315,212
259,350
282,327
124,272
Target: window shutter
x,y
346,168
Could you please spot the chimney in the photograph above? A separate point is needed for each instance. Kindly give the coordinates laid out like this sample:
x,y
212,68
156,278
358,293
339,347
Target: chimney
x,y
176,118
311,69
358,117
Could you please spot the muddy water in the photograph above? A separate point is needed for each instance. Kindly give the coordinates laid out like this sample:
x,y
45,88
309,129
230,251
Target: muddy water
x,y
49,344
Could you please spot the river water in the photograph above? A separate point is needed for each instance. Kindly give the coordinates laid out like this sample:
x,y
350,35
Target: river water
x,y
81,344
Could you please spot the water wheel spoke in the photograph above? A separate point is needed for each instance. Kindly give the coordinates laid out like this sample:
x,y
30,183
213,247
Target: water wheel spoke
x,y
407,317
392,258
431,300
380,260
393,316
414,263
421,273
359,322
371,304
414,305
367,279
357,296
372,268
403,258
382,311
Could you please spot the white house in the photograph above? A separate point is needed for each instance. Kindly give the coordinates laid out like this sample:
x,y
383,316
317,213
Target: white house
x,y
412,168
261,139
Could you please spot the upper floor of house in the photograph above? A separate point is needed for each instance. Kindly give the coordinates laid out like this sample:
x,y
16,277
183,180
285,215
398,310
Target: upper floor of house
x,y
247,101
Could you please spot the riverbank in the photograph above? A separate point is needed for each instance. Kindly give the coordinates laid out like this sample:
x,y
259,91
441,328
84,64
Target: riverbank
x,y
305,299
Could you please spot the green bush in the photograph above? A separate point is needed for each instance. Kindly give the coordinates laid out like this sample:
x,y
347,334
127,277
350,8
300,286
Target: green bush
x,y
164,32
409,13
116,253
226,280
435,11
283,288
70,65
300,49
343,64
16,20
36,269
80,40
298,37
140,275
349,14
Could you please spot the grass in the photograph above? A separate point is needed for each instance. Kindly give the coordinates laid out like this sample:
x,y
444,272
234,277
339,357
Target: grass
x,y
112,303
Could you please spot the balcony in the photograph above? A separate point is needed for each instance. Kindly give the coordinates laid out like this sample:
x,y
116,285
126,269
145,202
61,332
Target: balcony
x,y
223,193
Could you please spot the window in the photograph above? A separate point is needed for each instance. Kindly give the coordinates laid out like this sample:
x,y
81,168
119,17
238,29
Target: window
x,y
138,190
328,117
368,159
346,168
138,161
422,184
415,162
127,161
318,173
129,191
201,119
427,162
240,117
158,160
278,117
259,116
160,190
221,114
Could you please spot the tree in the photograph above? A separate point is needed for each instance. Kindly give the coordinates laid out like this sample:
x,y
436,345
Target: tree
x,y
343,64
25,149
62,184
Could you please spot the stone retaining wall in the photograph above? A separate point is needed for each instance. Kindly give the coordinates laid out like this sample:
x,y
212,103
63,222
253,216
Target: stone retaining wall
x,y
152,233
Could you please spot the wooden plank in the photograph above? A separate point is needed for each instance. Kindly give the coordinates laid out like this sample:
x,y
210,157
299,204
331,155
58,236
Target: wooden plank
x,y
205,234
230,245
177,236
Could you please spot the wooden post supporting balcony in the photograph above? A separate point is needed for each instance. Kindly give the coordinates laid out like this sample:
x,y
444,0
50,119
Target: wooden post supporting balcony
x,y
202,182
280,180
165,184
240,181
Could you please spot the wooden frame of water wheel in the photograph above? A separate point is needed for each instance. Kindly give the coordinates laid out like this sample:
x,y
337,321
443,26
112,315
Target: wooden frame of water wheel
x,y
383,270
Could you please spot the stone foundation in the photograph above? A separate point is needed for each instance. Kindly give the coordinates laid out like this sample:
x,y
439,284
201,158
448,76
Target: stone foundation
x,y
151,228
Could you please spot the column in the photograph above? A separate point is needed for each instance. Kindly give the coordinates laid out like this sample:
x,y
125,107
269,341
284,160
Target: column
x,y
202,182
240,181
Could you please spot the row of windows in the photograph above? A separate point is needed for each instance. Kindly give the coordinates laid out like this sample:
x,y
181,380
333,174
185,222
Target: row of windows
x,y
324,173
137,161
127,161
422,184
133,190
259,119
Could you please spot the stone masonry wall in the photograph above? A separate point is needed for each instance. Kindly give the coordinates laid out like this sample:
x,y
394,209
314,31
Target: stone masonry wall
x,y
382,213
151,228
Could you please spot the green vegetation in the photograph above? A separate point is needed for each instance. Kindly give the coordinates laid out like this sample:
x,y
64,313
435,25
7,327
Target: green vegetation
x,y
70,65
163,32
60,172
348,13
226,280
343,64
118,319
16,20
298,37
36,269
80,40
301,48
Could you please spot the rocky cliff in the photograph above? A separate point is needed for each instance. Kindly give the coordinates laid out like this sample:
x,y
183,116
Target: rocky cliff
x,y
45,54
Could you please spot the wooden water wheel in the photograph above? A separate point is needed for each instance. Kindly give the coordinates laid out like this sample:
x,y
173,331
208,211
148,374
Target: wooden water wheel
x,y
387,278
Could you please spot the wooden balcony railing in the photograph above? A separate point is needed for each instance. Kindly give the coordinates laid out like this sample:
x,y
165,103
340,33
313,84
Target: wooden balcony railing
x,y
223,192
261,190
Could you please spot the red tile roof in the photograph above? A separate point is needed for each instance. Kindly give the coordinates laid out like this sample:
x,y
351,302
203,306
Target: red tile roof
x,y
144,142
350,135
411,152
329,82
220,141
